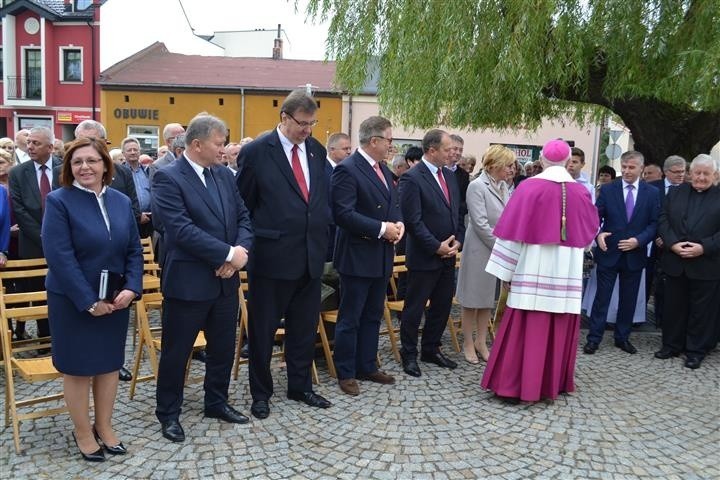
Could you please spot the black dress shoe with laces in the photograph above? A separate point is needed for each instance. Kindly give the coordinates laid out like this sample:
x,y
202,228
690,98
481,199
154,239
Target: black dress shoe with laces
x,y
439,359
693,362
309,398
173,431
260,409
124,374
666,352
200,356
227,414
590,348
626,346
410,366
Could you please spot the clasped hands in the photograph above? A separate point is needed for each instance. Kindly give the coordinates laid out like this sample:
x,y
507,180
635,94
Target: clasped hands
x,y
122,301
237,262
394,231
687,249
623,245
449,247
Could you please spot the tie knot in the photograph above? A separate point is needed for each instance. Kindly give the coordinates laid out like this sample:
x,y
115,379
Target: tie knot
x,y
206,171
43,167
295,147
630,187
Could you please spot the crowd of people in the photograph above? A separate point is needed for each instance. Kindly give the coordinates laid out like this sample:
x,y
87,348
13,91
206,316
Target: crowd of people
x,y
283,207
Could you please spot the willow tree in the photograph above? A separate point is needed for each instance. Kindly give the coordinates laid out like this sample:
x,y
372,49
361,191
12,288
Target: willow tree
x,y
512,63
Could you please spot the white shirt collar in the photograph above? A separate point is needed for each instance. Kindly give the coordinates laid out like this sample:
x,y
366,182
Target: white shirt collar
x,y
367,157
195,166
80,187
433,168
634,184
287,144
331,162
48,164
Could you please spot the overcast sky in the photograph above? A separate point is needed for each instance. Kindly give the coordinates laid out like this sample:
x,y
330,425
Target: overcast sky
x,y
131,25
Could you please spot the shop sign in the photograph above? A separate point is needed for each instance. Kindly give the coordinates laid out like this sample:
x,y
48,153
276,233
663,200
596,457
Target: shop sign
x,y
136,113
73,117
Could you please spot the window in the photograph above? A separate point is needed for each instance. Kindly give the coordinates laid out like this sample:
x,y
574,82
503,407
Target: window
x,y
82,4
70,64
33,73
148,136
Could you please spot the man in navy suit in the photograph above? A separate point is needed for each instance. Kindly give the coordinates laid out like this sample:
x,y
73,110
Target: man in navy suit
x,y
285,186
367,213
207,237
629,211
430,204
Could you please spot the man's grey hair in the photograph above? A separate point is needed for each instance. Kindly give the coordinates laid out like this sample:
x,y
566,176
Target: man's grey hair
x,y
129,140
457,138
46,132
673,161
399,160
335,138
91,125
202,127
633,154
179,142
704,160
374,126
170,126
298,100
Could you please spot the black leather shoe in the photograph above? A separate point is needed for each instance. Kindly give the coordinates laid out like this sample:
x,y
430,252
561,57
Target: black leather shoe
x,y
244,351
124,374
410,366
626,346
666,352
118,449
309,398
227,414
439,359
96,456
200,356
260,409
173,431
590,348
693,362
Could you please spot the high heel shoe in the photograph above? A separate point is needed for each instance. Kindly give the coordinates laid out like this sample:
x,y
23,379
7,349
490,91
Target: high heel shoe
x,y
96,456
481,356
469,359
118,449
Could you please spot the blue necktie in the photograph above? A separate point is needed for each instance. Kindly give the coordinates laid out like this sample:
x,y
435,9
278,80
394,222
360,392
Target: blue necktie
x,y
212,189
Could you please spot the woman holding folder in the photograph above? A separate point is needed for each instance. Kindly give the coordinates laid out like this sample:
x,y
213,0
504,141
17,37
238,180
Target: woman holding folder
x,y
89,231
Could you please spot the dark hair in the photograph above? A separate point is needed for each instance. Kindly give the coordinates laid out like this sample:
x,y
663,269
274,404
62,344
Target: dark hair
x,y
609,170
298,100
577,152
414,154
457,138
99,144
432,139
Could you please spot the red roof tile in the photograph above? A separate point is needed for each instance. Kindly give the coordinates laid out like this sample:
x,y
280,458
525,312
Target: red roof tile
x,y
155,66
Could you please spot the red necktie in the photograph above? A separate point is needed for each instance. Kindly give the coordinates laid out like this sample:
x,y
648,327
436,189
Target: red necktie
x,y
443,185
299,175
44,185
380,175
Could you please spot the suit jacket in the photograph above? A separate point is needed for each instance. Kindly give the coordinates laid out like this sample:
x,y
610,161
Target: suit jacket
x,y
463,179
642,225
78,246
161,162
197,235
291,236
429,220
680,223
27,208
360,203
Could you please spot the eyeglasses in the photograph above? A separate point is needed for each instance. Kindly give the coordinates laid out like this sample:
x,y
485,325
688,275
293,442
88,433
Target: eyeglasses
x,y
676,172
90,162
390,140
303,124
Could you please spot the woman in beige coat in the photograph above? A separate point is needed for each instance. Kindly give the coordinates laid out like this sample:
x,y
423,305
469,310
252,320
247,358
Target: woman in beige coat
x,y
486,198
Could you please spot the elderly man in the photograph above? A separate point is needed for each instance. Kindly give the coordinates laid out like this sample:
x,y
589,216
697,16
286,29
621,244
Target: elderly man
x,y
652,173
690,228
29,183
338,148
131,151
230,156
21,146
399,166
463,177
170,132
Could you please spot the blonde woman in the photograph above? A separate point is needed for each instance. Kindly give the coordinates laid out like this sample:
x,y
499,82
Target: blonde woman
x,y
486,199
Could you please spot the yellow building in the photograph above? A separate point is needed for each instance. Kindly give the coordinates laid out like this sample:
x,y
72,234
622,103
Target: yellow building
x,y
155,87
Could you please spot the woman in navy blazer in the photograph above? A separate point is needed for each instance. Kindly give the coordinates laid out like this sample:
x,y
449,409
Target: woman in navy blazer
x,y
88,227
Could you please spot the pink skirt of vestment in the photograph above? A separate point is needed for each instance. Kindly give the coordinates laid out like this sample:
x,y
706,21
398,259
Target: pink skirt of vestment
x,y
533,356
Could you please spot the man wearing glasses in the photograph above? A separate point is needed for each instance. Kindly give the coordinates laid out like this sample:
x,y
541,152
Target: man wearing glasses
x,y
285,187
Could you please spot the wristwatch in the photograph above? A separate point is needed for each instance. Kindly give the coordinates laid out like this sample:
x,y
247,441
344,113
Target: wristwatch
x,y
92,308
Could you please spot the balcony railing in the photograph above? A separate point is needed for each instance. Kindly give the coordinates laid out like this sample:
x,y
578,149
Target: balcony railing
x,y
24,88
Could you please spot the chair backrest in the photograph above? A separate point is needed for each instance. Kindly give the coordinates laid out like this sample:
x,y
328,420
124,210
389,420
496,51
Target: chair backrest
x,y
23,306
147,246
398,268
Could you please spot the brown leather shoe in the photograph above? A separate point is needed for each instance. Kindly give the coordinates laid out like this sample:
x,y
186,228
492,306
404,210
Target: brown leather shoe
x,y
349,386
378,377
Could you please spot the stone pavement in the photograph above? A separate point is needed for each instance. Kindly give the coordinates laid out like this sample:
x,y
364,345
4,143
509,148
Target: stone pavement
x,y
631,417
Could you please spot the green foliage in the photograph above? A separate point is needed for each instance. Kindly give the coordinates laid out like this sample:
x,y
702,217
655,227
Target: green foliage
x,y
510,63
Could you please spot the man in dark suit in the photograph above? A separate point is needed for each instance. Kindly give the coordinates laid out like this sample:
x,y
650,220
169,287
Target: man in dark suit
x,y
462,177
170,132
367,213
29,183
690,226
628,210
430,204
207,237
674,169
285,186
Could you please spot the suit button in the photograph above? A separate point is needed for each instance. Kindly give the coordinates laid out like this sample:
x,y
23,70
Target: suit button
x,y
379,206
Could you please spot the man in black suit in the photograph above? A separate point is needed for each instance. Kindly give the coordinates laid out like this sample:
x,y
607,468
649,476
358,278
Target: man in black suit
x,y
29,183
285,186
207,237
430,204
690,228
462,176
366,211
